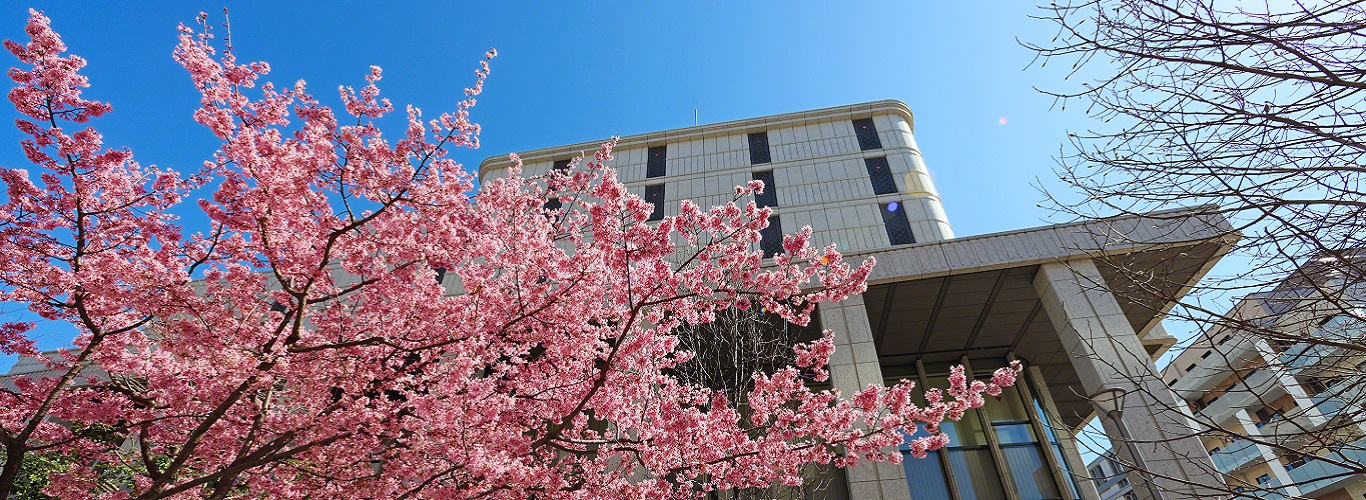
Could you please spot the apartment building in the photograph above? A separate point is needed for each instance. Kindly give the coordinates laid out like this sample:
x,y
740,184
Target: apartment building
x,y
1276,392
1038,295
1111,479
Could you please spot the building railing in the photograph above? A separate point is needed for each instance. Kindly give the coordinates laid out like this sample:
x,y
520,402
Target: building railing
x,y
1236,455
1304,354
1317,474
1239,396
1271,490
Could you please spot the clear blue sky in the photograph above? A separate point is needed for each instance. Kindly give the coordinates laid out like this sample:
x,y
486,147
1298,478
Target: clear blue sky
x,y
569,73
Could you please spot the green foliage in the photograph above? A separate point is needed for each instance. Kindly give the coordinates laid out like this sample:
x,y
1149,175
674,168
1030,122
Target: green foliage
x,y
34,472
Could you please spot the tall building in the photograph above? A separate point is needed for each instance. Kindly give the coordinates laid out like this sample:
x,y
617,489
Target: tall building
x,y
1111,478
1280,406
1038,295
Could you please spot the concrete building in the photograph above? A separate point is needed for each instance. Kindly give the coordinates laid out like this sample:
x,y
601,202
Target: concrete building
x,y
1038,295
1280,407
1111,479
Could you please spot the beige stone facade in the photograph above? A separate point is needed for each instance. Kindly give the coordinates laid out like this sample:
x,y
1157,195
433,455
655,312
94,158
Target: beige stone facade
x,y
1036,295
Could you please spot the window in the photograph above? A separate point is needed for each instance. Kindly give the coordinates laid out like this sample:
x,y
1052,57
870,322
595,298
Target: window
x,y
654,161
1129,495
1222,340
769,198
1097,472
1171,382
554,202
771,237
655,194
758,148
898,228
881,175
440,274
1191,367
1206,354
867,134
1295,461
1215,450
1123,482
1263,479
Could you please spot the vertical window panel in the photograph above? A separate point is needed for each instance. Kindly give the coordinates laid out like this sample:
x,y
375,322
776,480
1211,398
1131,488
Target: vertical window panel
x,y
898,228
975,474
654,161
655,194
758,148
867,134
769,198
881,175
558,167
925,477
1032,478
771,237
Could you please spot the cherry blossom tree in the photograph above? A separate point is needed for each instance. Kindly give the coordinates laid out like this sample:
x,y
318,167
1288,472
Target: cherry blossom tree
x,y
302,344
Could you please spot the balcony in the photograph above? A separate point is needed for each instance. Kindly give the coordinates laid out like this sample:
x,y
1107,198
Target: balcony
x,y
1237,455
1238,351
1341,396
1316,475
1240,396
1271,490
1304,354
1328,405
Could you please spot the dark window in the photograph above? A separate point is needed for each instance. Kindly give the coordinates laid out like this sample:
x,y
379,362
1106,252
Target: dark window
x,y
769,198
655,194
1191,367
898,228
654,162
881,175
758,148
440,274
867,134
1171,383
1222,340
771,237
559,167
1206,354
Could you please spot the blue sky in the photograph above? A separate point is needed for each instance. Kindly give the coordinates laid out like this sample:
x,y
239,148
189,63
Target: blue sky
x,y
570,73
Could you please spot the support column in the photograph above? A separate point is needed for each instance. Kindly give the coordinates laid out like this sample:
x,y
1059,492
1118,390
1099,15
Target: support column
x,y
1305,406
1277,468
1106,352
853,366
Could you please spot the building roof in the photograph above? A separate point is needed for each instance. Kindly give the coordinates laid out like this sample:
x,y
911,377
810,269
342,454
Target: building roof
x,y
708,130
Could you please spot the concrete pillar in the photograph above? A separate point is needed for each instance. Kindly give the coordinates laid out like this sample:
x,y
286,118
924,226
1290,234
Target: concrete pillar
x,y
1277,468
853,366
1305,406
1106,352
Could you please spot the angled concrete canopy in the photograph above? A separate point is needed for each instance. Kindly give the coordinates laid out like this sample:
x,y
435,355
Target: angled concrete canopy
x,y
975,296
